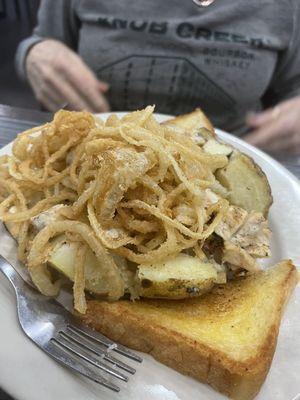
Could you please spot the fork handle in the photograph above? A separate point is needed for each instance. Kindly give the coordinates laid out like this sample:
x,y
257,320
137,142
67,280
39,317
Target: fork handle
x,y
12,275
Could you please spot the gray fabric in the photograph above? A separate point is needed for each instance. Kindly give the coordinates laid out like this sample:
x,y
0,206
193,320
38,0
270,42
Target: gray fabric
x,y
21,54
230,58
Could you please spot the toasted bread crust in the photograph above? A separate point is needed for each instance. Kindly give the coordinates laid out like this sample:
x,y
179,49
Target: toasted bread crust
x,y
195,119
238,380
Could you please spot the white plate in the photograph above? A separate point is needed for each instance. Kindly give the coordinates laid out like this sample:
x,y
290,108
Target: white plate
x,y
28,374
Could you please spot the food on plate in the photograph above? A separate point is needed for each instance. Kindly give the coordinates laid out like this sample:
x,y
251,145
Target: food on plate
x,y
123,199
246,183
255,193
63,259
133,209
225,338
179,277
194,121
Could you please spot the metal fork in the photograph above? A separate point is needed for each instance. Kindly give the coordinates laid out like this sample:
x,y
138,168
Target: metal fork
x,y
58,333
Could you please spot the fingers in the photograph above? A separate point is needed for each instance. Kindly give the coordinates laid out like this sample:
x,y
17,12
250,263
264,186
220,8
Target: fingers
x,y
49,103
262,118
284,144
262,136
50,98
58,76
278,136
103,86
87,86
55,91
277,129
69,94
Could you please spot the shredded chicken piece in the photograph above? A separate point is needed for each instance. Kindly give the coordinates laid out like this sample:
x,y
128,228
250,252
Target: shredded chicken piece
x,y
232,222
250,232
210,198
238,257
254,236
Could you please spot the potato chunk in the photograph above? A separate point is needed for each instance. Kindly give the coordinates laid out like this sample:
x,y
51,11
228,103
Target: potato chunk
x,y
178,278
247,184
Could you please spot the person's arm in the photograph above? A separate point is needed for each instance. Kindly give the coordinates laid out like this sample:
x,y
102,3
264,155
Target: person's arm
x,y
48,60
278,128
56,20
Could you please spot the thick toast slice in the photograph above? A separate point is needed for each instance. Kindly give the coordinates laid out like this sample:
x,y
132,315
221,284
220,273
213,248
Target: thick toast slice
x,y
226,338
193,120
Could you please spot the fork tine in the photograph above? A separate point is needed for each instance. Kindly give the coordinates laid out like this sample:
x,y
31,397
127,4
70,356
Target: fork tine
x,y
65,358
88,345
97,363
42,319
96,336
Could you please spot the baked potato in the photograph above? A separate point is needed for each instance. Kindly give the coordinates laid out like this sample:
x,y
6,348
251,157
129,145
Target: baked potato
x,y
246,183
181,277
62,259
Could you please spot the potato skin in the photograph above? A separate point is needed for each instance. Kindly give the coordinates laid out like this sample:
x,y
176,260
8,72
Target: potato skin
x,y
240,171
247,184
174,288
181,277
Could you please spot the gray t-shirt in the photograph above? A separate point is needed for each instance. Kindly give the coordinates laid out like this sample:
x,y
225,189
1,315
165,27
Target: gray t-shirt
x,y
229,58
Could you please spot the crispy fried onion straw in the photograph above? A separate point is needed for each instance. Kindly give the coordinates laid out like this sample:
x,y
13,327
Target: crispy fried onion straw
x,y
131,188
79,280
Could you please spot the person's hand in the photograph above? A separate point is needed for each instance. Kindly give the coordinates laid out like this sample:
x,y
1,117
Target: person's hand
x,y
277,129
58,76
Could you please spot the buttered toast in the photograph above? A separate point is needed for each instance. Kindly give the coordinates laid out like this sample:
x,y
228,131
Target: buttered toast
x,y
195,119
226,338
